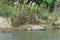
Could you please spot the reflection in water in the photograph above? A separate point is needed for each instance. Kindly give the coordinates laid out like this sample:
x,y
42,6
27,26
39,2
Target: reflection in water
x,y
44,35
5,36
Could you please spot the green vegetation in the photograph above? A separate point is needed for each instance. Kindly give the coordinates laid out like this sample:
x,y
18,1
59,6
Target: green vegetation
x,y
25,14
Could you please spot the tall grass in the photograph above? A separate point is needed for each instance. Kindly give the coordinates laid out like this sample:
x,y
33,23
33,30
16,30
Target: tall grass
x,y
26,14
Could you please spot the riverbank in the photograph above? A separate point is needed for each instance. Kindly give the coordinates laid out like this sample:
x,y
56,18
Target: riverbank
x,y
22,28
25,27
6,25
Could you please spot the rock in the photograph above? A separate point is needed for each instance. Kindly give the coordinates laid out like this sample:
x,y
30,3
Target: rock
x,y
5,23
35,28
57,22
5,30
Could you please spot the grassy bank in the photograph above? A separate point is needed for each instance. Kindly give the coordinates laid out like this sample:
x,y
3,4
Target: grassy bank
x,y
25,14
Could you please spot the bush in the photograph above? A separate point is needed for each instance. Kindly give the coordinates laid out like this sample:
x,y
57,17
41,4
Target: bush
x,y
3,10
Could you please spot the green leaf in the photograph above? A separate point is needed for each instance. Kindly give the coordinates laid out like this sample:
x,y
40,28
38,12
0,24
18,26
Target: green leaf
x,y
49,1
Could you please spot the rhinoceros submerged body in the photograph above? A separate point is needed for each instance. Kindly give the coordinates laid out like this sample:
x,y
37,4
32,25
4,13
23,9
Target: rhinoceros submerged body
x,y
36,28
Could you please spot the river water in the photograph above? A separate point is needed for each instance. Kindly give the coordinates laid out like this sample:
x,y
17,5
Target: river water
x,y
53,34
